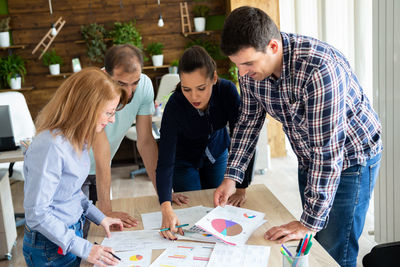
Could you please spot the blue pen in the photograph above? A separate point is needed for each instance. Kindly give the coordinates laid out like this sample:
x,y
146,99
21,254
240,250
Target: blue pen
x,y
179,226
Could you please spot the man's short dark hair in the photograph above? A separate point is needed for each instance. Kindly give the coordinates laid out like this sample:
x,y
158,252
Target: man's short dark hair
x,y
125,56
247,27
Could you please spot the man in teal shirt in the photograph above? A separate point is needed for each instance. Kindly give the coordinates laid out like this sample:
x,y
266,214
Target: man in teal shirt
x,y
124,63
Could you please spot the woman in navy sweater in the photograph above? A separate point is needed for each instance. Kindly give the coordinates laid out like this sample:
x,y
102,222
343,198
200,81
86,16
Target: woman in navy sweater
x,y
194,139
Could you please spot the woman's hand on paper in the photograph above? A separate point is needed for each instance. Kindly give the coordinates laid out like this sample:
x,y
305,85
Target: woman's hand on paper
x,y
99,255
169,220
115,222
127,220
238,198
179,199
283,233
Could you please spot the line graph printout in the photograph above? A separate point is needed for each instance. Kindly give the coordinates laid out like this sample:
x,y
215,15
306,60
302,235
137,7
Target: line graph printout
x,y
183,254
133,240
190,216
232,225
238,256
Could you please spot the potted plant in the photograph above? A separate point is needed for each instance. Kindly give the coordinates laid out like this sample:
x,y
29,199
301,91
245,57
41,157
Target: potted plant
x,y
173,69
12,71
53,61
155,50
126,33
4,34
200,13
94,35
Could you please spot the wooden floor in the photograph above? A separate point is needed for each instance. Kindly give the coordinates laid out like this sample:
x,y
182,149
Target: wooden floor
x,y
281,179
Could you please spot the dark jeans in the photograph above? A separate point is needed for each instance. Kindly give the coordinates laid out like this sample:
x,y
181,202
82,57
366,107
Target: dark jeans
x,y
188,177
89,189
40,251
347,216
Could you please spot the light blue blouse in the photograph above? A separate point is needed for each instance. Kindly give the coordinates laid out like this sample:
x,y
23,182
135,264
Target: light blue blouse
x,y
53,199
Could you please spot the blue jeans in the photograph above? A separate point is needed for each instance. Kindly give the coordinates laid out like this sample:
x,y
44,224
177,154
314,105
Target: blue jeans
x,y
347,216
40,251
188,177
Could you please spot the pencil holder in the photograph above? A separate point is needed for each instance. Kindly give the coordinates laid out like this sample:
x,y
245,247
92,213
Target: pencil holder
x,y
300,261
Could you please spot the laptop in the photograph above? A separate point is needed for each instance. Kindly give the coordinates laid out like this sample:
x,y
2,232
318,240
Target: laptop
x,y
7,141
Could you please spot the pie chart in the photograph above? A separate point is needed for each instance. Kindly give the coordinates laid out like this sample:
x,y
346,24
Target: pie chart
x,y
136,258
226,227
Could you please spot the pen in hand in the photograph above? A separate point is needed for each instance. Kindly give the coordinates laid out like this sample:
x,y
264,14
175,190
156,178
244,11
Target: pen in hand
x,y
179,226
115,256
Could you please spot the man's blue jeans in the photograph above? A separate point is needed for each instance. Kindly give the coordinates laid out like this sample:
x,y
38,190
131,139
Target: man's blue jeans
x,y
347,216
40,251
189,178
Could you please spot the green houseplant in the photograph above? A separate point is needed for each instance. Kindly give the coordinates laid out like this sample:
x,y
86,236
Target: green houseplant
x,y
126,33
94,35
200,13
53,61
4,34
173,69
12,71
155,50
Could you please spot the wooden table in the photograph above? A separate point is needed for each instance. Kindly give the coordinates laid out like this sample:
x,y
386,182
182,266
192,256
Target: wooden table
x,y
259,198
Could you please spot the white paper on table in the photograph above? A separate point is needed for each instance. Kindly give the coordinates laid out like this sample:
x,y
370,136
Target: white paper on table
x,y
232,225
188,215
238,256
183,254
133,240
139,257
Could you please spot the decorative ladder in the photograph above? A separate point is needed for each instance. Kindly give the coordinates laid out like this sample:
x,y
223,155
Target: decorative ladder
x,y
185,19
50,38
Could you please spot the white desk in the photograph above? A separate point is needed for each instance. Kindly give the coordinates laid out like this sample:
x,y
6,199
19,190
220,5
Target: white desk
x,y
8,228
11,156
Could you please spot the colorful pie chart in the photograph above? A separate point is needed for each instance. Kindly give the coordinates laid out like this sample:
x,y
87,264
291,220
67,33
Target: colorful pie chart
x,y
226,227
136,258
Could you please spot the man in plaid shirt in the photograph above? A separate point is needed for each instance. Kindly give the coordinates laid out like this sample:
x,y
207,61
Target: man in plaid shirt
x,y
311,89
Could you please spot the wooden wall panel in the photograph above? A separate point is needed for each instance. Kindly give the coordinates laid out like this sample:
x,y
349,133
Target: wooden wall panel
x,y
30,21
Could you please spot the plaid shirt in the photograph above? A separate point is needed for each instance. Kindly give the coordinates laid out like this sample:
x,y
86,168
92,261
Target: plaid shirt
x,y
325,114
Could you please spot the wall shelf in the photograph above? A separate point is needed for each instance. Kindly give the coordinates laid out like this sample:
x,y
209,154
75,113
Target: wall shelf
x,y
154,68
12,47
186,34
83,41
17,90
64,75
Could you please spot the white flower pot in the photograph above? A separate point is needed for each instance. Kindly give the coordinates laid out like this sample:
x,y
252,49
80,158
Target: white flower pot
x,y
157,60
199,24
4,39
54,69
15,83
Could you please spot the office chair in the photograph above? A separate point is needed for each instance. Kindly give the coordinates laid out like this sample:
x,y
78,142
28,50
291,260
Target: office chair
x,y
131,134
167,85
383,255
23,127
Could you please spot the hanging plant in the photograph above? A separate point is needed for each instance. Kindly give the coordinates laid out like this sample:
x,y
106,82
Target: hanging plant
x,y
94,35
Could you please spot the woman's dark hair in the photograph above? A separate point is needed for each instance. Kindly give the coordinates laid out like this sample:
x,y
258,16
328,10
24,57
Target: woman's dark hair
x,y
196,57
247,27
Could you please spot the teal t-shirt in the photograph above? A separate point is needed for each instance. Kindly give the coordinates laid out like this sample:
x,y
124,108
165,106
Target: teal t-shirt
x,y
141,104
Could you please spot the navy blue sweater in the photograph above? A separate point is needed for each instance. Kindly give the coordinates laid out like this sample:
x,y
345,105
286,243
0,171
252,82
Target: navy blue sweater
x,y
185,134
